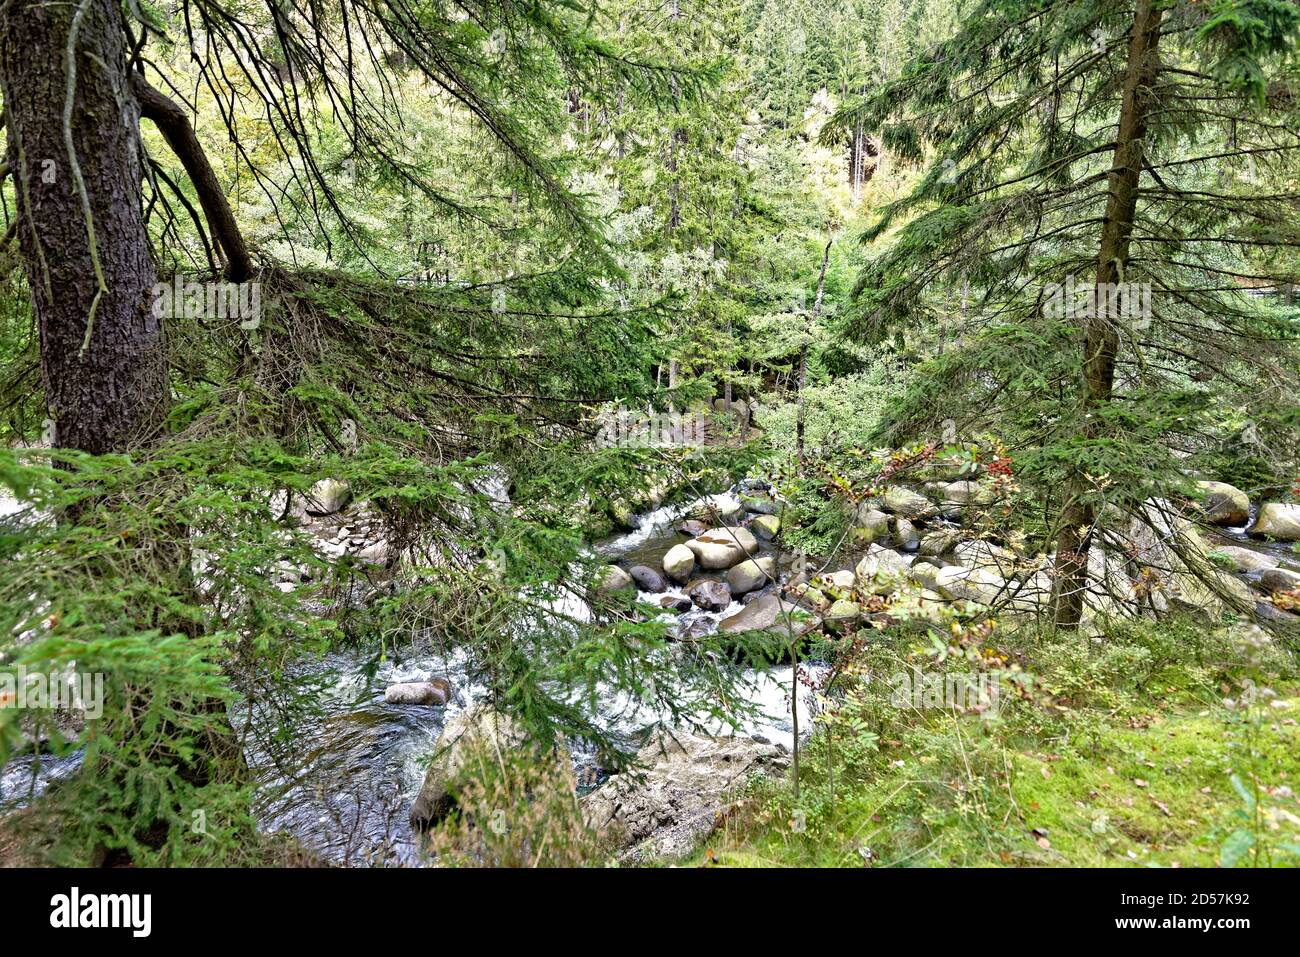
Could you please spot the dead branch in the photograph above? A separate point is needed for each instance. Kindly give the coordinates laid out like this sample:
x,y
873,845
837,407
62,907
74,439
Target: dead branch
x,y
179,133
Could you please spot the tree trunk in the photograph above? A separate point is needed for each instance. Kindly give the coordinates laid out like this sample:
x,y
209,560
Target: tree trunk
x,y
1101,338
803,354
83,241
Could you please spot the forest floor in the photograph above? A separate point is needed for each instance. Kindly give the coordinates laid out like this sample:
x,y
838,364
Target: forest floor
x,y
1141,753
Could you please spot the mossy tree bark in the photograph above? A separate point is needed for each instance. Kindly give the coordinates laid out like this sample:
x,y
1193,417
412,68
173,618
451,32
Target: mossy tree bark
x,y
82,236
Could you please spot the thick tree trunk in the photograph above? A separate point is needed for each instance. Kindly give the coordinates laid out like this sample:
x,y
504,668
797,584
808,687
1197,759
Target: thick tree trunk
x,y
101,346
1101,337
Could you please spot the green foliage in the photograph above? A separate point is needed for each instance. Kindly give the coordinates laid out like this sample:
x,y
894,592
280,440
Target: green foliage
x,y
1112,754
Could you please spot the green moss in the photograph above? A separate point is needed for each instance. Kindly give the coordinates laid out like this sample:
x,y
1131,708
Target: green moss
x,y
1129,753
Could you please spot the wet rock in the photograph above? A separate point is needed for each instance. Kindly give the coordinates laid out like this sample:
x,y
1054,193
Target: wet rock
x,y
1278,520
647,579
624,515
765,527
723,547
1267,611
696,629
1224,504
751,574
770,613
689,784
679,562
478,726
673,603
692,527
435,691
327,497
710,595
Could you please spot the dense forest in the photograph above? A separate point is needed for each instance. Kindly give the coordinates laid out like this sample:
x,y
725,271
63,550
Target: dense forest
x,y
643,432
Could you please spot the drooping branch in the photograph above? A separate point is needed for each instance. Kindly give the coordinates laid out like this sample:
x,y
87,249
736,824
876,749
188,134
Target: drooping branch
x,y
176,129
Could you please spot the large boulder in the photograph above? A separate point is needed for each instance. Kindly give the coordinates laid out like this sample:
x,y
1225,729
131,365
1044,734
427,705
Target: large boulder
x,y
939,541
981,554
762,504
435,691
687,788
476,727
1279,579
770,613
870,525
614,580
882,571
765,527
1278,520
710,595
839,583
722,510
328,497
1174,565
647,579
723,547
841,614
962,494
918,604
1224,504
373,553
751,574
911,505
679,562
909,539
1246,560
956,582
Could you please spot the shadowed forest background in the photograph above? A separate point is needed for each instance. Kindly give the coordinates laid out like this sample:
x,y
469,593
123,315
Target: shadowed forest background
x,y
568,433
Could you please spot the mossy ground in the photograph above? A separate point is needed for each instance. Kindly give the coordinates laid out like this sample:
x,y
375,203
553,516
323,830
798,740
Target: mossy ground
x,y
1138,751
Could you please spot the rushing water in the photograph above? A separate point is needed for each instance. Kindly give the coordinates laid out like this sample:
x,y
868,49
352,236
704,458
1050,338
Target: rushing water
x,y
343,780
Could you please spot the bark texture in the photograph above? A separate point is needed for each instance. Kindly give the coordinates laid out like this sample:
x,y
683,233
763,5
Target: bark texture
x,y
106,390
1101,336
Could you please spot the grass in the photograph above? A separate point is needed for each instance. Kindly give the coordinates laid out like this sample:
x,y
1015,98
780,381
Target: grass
x,y
1138,751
